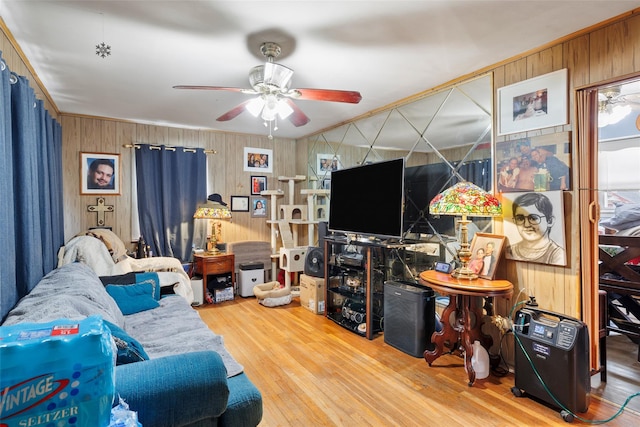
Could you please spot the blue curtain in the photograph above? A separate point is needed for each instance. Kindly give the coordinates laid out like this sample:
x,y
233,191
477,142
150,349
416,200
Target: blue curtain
x,y
476,171
8,290
171,184
31,222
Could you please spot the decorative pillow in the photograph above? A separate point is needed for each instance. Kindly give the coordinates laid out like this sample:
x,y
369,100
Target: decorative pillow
x,y
133,298
120,279
129,349
151,278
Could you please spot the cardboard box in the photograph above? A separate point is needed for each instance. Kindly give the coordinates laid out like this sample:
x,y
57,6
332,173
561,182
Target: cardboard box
x,y
312,293
223,294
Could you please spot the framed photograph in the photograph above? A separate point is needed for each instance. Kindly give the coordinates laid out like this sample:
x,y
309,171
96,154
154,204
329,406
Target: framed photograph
x,y
534,226
327,163
326,184
486,250
100,173
239,203
539,163
258,207
258,160
258,184
536,103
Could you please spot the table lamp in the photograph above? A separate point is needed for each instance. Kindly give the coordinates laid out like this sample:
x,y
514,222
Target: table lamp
x,y
465,199
214,209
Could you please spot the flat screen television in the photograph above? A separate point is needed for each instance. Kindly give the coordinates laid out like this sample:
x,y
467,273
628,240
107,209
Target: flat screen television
x,y
368,200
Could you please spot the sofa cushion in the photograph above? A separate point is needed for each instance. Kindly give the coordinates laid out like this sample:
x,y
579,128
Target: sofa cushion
x,y
133,298
72,291
129,349
135,278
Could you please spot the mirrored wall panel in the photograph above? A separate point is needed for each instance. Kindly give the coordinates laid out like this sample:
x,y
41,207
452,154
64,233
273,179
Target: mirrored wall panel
x,y
445,136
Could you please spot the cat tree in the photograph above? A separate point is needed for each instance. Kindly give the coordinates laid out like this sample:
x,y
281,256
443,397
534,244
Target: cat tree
x,y
285,221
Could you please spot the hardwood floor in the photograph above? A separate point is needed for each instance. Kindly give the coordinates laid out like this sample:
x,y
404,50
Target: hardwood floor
x,y
623,373
312,372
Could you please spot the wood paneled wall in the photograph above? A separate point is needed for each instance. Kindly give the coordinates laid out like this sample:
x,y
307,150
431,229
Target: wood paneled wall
x,y
226,173
591,57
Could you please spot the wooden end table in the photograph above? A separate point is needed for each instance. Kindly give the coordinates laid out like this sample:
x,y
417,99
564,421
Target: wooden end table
x,y
222,263
466,323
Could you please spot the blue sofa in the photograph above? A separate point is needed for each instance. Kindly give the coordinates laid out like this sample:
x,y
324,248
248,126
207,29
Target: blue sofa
x,y
187,377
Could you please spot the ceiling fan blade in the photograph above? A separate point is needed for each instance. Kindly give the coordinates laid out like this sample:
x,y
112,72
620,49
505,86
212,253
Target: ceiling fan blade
x,y
230,89
234,112
298,118
352,97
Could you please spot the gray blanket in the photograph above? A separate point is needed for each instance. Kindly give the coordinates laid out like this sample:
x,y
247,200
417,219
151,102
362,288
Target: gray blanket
x,y
175,327
74,291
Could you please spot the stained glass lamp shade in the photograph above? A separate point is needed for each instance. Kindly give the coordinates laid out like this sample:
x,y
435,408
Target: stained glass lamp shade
x,y
215,211
465,199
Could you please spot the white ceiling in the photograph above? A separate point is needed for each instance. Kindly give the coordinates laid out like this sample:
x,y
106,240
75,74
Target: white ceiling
x,y
386,50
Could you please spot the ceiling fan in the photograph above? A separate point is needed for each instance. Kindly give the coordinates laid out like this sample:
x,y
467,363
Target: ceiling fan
x,y
613,106
275,98
613,95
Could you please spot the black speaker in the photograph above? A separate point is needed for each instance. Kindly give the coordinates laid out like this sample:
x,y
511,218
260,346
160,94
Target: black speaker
x,y
323,230
314,262
409,317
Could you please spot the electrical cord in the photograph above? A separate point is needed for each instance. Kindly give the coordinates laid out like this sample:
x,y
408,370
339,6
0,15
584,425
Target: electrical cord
x,y
499,371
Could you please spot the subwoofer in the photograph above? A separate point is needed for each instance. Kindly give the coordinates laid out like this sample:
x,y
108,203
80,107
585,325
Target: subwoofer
x,y
314,262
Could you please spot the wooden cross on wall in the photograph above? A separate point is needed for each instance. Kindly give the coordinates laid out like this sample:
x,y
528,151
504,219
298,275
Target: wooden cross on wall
x,y
100,208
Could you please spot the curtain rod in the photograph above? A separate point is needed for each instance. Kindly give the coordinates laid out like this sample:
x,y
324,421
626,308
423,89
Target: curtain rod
x,y
157,147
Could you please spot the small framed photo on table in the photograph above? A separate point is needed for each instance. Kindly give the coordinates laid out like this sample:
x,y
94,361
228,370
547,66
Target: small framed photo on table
x,y
485,254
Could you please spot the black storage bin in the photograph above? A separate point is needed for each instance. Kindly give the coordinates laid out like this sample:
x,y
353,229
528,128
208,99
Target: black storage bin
x,y
218,281
254,265
409,317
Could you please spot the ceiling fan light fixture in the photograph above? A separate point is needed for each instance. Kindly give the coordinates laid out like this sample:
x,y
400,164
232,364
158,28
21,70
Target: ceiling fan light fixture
x,y
270,109
284,109
277,75
255,106
256,76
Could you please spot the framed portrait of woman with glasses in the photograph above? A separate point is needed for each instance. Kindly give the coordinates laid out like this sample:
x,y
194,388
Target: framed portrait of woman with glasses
x,y
534,226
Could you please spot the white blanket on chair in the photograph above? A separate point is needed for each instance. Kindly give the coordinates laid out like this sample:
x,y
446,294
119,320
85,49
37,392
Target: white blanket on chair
x,y
91,251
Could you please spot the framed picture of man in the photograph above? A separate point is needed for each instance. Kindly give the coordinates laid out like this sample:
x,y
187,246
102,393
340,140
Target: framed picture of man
x,y
100,173
485,254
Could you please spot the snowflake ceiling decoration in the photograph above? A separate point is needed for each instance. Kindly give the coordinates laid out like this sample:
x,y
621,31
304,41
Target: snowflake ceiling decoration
x,y
103,50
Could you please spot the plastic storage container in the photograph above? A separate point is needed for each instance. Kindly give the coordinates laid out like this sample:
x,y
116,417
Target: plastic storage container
x,y
251,274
